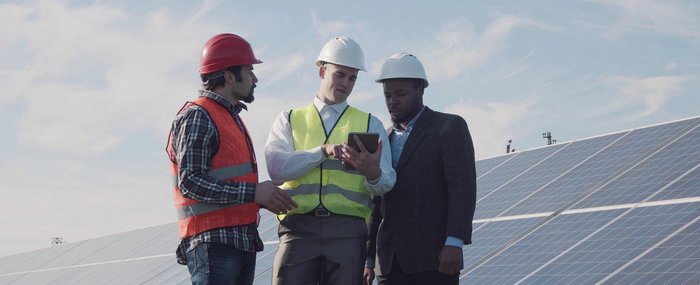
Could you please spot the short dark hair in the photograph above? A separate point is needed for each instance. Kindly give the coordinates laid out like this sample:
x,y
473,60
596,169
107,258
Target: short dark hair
x,y
416,82
215,80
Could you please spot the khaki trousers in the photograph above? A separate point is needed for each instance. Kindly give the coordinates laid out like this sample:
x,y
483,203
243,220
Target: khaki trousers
x,y
320,250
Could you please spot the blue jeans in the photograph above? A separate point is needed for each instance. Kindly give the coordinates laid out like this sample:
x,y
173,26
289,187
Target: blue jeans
x,y
217,263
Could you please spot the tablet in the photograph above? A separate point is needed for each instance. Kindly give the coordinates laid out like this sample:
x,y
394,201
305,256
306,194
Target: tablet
x,y
369,140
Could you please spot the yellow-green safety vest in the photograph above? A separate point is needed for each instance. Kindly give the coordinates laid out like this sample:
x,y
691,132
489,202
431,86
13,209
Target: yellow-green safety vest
x,y
339,191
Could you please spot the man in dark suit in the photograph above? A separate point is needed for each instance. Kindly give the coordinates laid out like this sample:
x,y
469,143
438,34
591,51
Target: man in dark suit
x,y
421,225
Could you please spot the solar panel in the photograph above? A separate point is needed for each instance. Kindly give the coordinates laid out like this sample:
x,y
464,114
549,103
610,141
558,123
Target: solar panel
x,y
173,274
599,255
675,261
489,236
537,248
511,194
137,243
600,168
649,175
484,166
10,266
510,170
264,279
37,259
688,186
268,226
265,260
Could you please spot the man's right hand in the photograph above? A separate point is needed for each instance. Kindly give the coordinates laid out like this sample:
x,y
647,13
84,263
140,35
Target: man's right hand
x,y
368,276
333,150
273,198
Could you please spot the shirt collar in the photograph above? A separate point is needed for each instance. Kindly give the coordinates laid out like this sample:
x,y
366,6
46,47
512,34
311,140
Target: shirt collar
x,y
339,108
409,127
234,109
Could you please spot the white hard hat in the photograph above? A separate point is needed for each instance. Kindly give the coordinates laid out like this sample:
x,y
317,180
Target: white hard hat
x,y
342,51
402,65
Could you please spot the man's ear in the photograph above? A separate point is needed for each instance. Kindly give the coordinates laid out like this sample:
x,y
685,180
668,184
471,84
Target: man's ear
x,y
229,78
322,71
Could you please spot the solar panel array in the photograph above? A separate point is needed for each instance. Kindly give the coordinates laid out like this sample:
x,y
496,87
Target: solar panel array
x,y
619,208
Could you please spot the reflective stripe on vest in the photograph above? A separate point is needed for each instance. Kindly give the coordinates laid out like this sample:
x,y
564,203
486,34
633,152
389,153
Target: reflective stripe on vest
x,y
227,172
234,161
357,197
338,190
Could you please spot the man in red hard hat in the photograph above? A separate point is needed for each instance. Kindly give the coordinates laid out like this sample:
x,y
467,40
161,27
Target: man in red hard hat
x,y
216,190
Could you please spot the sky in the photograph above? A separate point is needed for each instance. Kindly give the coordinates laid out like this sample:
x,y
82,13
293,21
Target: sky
x,y
88,89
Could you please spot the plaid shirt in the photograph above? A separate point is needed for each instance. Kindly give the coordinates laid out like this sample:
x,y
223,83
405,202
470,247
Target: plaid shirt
x,y
196,141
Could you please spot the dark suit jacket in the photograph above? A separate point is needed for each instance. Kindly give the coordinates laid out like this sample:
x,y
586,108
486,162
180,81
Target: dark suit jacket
x,y
434,195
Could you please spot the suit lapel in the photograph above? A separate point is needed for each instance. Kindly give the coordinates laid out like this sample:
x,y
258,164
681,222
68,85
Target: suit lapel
x,y
417,135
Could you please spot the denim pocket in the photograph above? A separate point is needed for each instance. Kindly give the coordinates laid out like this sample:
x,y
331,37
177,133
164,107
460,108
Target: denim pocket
x,y
198,260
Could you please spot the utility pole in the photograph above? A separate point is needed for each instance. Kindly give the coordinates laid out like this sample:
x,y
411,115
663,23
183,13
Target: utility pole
x,y
548,136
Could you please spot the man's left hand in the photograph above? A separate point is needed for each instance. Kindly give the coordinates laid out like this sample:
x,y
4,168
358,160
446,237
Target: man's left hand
x,y
450,260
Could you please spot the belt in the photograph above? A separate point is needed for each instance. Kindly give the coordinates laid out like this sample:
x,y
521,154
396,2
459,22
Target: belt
x,y
319,212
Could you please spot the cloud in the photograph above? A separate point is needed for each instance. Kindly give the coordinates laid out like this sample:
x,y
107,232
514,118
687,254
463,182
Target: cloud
x,y
326,29
671,66
76,199
459,48
665,17
639,97
494,123
281,67
92,74
360,96
94,89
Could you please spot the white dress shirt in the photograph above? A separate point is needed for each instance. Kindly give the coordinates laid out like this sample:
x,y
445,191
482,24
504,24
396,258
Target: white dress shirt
x,y
285,164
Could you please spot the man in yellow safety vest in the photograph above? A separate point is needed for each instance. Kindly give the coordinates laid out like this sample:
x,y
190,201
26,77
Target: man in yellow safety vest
x,y
323,241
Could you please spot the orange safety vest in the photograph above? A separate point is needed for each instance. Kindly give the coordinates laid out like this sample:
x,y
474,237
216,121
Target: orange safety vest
x,y
233,162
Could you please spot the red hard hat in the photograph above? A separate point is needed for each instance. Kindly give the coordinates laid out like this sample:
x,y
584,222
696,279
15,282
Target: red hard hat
x,y
225,50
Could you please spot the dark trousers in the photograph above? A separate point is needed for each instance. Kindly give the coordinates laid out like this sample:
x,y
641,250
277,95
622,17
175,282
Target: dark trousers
x,y
217,263
397,276
320,250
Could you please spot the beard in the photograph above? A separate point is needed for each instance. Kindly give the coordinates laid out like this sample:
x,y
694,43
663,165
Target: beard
x,y
250,98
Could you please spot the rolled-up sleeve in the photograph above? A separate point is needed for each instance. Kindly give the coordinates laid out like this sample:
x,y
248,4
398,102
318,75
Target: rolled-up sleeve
x,y
283,162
